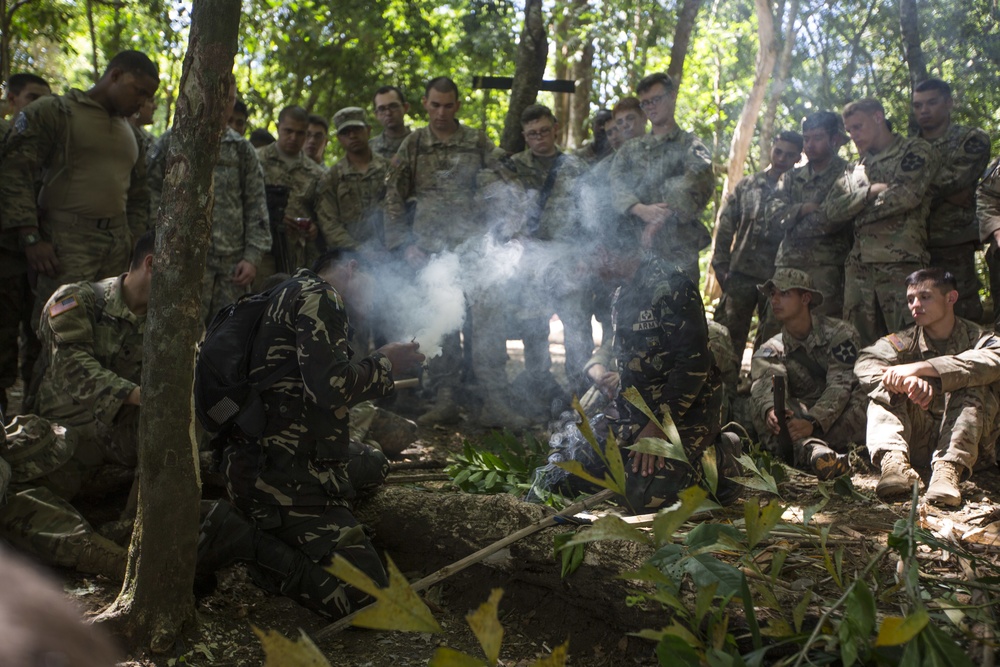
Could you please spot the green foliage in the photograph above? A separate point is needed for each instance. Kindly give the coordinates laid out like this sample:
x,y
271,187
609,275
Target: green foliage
x,y
500,463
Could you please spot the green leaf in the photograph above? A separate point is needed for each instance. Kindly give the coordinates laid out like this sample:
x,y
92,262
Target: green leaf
x,y
672,650
760,479
703,600
486,626
571,555
760,522
396,607
616,466
660,447
799,613
449,657
940,649
668,520
896,630
714,537
711,470
857,624
576,468
609,528
706,569
750,613
633,396
807,513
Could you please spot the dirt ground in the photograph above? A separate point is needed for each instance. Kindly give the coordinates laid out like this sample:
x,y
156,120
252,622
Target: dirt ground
x,y
425,525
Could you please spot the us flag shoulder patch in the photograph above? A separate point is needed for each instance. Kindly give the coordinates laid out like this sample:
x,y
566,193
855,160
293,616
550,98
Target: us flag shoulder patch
x,y
60,307
896,342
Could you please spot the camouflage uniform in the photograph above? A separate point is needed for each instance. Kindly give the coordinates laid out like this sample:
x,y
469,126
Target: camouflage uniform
x,y
820,384
91,361
988,212
812,244
240,229
890,232
952,232
349,210
386,147
293,482
745,245
660,347
94,201
675,168
303,177
961,423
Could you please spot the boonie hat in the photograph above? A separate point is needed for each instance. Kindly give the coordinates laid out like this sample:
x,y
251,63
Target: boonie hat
x,y
349,117
35,447
786,279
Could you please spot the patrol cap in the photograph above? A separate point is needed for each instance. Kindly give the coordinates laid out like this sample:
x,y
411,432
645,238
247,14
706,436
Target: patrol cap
x,y
349,117
35,447
786,279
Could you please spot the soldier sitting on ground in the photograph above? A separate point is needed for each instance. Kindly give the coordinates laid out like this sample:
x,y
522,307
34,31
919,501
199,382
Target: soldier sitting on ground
x,y
293,482
934,394
814,355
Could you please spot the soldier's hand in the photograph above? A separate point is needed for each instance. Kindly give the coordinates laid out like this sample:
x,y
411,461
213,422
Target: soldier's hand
x,y
646,464
651,214
43,259
799,428
875,189
134,397
920,391
609,383
403,356
244,273
772,420
895,378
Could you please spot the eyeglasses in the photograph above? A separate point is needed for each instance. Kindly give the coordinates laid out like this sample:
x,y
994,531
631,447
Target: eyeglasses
x,y
387,108
653,101
538,134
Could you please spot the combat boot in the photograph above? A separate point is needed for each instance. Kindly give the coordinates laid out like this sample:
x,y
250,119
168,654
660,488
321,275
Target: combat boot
x,y
444,412
392,433
99,555
826,463
943,488
897,476
225,537
728,448
497,415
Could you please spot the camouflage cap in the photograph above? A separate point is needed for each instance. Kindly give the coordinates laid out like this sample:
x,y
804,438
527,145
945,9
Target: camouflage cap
x,y
349,117
35,447
786,279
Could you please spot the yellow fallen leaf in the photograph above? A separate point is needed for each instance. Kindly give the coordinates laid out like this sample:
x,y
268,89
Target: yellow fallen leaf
x,y
486,626
555,659
449,657
279,651
397,607
896,630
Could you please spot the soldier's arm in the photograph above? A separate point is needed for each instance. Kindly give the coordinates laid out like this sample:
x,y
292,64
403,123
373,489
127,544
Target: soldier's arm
x,y
256,227
972,368
623,195
399,183
988,204
959,177
698,183
767,362
839,380
137,205
872,363
724,234
73,365
847,198
908,187
331,225
156,171
35,136
682,319
781,210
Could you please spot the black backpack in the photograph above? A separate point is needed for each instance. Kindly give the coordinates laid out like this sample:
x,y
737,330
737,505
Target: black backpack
x,y
224,396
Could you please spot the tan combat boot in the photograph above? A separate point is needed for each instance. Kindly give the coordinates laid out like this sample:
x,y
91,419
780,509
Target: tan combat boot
x,y
444,412
943,489
897,476
99,555
826,463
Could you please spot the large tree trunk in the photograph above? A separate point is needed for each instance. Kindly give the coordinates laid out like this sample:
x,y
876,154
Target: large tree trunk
x,y
532,53
580,110
767,53
909,24
682,38
778,86
157,599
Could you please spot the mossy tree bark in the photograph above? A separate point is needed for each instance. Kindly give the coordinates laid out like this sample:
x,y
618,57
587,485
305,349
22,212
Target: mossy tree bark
x,y
532,53
156,600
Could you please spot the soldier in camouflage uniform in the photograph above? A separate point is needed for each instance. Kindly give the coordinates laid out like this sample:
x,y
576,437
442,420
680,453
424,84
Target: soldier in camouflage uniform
x,y
988,213
240,231
285,164
659,346
36,520
432,203
814,355
317,136
663,181
812,243
600,147
351,193
91,364
292,482
953,236
935,394
142,118
886,196
94,201
390,109
746,243
16,296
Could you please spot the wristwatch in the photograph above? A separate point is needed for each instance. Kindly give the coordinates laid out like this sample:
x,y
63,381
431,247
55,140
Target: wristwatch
x,y
29,239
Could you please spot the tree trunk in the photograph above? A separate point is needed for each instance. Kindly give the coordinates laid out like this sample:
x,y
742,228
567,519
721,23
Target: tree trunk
x,y
740,146
778,86
93,39
909,24
682,38
532,53
157,599
580,110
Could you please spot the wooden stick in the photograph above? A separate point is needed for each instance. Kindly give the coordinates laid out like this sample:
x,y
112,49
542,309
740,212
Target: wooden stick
x,y
416,479
416,465
406,383
472,559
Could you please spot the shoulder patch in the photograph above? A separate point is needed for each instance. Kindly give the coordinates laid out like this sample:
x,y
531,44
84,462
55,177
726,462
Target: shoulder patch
x,y
846,352
912,162
975,145
66,305
895,341
333,296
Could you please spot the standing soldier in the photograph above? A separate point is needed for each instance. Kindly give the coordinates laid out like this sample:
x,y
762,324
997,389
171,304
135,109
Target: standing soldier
x,y
964,152
287,168
240,233
988,212
812,243
432,207
663,180
390,109
599,147
94,199
887,197
746,243
317,137
352,190
16,296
